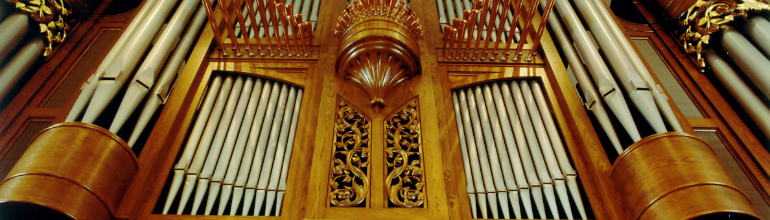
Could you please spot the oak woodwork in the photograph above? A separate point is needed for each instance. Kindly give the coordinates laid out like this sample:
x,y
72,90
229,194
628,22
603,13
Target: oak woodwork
x,y
83,155
676,176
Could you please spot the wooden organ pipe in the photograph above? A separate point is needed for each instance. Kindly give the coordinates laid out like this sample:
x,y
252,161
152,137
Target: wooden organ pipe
x,y
247,141
19,23
88,90
123,66
240,19
174,66
215,27
145,77
230,29
508,127
258,13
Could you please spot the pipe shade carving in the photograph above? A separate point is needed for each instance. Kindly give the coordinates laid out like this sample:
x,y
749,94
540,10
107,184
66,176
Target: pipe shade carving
x,y
403,151
349,179
378,47
55,17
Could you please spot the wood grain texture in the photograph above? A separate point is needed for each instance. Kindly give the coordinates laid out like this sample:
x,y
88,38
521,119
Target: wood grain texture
x,y
62,196
83,155
676,176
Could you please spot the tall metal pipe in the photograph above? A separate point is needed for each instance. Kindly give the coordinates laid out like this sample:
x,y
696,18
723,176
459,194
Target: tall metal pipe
x,y
14,28
751,62
466,160
117,48
751,103
480,187
287,156
636,88
758,29
144,78
123,66
18,66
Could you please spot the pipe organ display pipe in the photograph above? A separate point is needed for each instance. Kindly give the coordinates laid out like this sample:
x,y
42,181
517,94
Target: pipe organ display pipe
x,y
151,66
192,142
269,178
265,25
547,150
18,66
486,171
264,157
306,8
752,62
502,153
287,157
442,18
222,148
203,164
591,98
466,159
237,182
537,156
526,159
314,13
605,82
451,11
226,178
513,153
636,88
750,102
493,153
758,28
174,65
248,182
473,154
124,64
660,98
560,155
458,6
297,5
14,29
196,164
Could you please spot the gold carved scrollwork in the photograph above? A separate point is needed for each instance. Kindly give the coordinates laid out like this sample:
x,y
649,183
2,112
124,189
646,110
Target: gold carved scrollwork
x,y
53,16
705,18
404,157
349,180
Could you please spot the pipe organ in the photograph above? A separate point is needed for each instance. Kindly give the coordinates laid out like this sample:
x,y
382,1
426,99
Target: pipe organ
x,y
384,109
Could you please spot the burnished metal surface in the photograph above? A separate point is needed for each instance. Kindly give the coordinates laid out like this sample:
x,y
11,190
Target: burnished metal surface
x,y
403,151
349,180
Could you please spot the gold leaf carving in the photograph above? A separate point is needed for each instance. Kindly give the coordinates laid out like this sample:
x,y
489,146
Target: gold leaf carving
x,y
403,151
349,180
53,17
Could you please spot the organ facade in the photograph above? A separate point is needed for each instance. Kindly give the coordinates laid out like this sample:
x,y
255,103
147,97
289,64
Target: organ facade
x,y
384,109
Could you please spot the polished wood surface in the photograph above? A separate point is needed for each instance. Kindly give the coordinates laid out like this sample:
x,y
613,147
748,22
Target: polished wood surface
x,y
676,176
61,196
79,154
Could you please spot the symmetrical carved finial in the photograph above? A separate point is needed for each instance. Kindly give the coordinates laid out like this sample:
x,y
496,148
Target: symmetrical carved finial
x,y
378,47
705,18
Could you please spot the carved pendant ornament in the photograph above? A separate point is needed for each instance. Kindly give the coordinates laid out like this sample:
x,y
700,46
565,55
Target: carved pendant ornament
x,y
54,18
378,46
706,16
350,170
403,153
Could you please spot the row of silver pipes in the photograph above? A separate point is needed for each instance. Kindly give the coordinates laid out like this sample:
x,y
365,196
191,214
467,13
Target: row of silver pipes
x,y
748,49
14,29
307,8
241,144
512,152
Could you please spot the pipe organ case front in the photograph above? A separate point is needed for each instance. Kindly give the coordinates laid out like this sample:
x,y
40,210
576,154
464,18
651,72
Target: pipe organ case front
x,y
364,109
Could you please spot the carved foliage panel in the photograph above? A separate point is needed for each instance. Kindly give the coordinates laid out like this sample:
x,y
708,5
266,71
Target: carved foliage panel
x,y
349,179
403,152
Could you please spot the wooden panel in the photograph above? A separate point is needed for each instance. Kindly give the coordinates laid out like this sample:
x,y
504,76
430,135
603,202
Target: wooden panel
x,y
20,145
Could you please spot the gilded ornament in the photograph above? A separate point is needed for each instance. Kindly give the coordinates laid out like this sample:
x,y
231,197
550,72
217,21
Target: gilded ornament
x,y
349,179
705,18
403,151
53,16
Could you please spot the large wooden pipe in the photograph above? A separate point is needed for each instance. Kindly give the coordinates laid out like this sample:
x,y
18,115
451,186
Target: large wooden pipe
x,y
677,176
71,170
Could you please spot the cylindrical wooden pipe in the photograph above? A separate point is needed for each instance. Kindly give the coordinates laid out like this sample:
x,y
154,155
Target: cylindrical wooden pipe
x,y
75,169
677,176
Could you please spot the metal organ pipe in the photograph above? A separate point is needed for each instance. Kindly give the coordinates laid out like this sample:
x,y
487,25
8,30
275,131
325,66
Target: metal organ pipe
x,y
15,69
490,141
629,77
752,62
121,68
660,98
758,28
590,96
174,66
151,66
14,29
605,82
287,156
